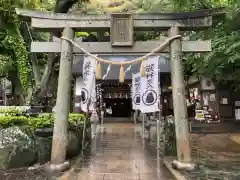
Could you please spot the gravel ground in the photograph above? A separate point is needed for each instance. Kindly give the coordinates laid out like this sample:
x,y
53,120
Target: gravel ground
x,y
215,171
218,157
25,174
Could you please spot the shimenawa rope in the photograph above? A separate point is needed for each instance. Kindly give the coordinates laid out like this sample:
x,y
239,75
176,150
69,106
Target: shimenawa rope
x,y
159,48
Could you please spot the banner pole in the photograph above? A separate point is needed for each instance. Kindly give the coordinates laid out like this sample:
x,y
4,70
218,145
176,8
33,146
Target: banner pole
x,y
143,125
135,117
158,134
102,117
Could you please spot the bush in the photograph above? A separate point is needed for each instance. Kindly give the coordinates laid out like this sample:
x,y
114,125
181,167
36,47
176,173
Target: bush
x,y
7,121
76,119
22,144
47,120
13,110
14,117
43,120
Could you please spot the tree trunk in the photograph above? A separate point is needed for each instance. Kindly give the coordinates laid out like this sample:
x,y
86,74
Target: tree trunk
x,y
52,58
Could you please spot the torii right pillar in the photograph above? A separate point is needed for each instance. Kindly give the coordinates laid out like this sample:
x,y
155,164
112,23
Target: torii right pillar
x,y
179,99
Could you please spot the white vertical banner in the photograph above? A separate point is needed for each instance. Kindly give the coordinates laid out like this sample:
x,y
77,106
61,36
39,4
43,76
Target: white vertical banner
x,y
88,92
136,96
149,86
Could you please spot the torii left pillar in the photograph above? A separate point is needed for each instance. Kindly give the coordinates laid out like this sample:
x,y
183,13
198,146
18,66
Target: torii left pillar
x,y
60,132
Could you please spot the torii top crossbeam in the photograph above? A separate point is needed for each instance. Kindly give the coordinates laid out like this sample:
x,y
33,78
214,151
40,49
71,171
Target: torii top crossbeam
x,y
56,22
94,22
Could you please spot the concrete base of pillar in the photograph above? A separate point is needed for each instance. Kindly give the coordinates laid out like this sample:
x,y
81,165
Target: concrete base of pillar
x,y
57,168
183,165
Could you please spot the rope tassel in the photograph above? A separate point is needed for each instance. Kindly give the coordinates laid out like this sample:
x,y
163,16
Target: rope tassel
x,y
99,71
142,70
121,74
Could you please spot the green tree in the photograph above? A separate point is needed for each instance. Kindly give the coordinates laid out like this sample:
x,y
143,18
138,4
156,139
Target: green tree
x,y
222,64
16,63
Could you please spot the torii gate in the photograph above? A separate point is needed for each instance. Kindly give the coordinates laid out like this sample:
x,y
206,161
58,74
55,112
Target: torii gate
x,y
121,28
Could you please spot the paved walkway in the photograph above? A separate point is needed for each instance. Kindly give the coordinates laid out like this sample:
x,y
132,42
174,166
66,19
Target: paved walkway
x,y
118,154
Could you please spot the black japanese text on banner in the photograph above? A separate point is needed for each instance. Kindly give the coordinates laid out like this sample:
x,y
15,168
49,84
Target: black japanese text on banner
x,y
136,96
88,93
149,86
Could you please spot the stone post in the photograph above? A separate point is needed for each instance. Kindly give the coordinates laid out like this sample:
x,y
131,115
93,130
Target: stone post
x,y
60,132
179,101
94,119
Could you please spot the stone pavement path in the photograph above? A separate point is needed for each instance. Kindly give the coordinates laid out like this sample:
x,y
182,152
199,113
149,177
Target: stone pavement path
x,y
118,154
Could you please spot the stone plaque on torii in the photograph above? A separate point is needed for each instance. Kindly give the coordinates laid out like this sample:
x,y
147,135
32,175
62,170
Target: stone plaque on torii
x,y
121,27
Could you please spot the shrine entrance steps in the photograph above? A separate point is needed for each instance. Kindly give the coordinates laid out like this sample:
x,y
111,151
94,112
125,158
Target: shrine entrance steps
x,y
118,153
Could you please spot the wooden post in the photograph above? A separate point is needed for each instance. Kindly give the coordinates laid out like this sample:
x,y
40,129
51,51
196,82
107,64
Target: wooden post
x,y
60,133
179,100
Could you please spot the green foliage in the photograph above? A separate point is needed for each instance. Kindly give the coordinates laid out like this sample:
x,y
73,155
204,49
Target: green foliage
x,y
12,111
7,121
12,43
19,56
6,64
13,49
222,64
190,5
42,121
81,34
15,117
47,120
76,119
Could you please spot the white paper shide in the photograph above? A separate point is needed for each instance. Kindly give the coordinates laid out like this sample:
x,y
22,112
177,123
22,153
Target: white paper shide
x,y
136,94
149,86
88,92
